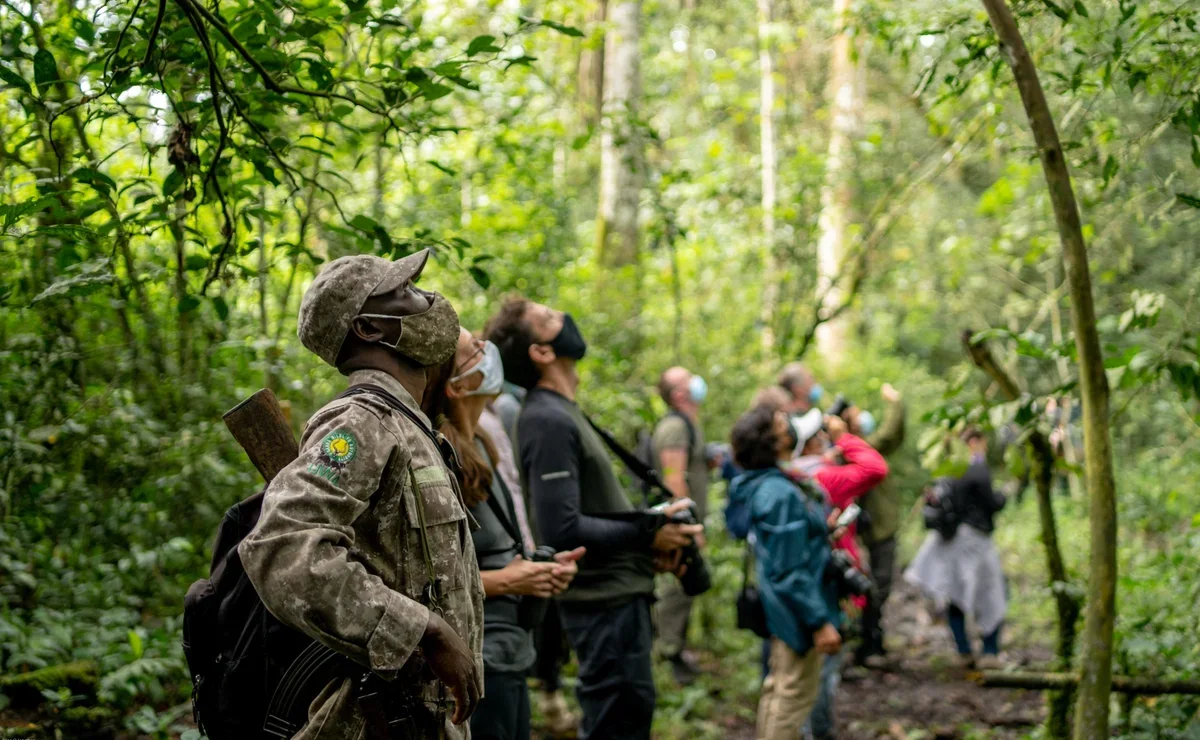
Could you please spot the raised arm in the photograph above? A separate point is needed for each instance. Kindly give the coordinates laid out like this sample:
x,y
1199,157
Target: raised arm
x,y
864,469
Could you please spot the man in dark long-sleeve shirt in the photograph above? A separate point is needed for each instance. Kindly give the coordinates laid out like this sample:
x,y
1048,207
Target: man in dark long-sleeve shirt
x,y
577,501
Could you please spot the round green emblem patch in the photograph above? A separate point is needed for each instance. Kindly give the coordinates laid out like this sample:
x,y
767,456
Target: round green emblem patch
x,y
340,447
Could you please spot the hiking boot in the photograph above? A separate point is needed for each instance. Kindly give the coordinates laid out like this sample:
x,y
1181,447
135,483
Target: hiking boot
x,y
966,661
560,721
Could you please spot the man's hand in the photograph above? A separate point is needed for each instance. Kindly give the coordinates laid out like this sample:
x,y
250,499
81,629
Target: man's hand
x,y
451,662
827,640
526,578
669,562
565,568
836,426
889,394
674,536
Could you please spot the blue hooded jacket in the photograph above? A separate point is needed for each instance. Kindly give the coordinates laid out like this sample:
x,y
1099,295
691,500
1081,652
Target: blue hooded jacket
x,y
791,549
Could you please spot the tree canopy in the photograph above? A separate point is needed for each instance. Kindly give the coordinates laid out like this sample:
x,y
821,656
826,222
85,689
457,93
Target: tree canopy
x,y
174,173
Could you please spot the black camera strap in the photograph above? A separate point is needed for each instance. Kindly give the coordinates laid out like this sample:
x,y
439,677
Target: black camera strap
x,y
641,470
508,519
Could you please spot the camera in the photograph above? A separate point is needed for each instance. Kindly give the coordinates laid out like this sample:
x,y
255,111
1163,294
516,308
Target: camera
x,y
532,610
840,404
841,568
849,579
696,579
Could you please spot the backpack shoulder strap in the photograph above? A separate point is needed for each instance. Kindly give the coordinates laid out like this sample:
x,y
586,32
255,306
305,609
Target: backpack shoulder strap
x,y
691,428
445,449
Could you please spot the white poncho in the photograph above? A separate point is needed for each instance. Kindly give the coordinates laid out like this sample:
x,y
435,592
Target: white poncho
x,y
964,572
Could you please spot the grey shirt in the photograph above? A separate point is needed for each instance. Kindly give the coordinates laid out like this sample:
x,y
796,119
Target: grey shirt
x,y
507,647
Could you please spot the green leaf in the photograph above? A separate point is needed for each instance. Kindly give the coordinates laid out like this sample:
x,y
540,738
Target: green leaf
x,y
266,171
1110,169
448,170
1081,9
135,642
1057,9
320,74
449,68
481,44
1189,200
45,69
195,262
523,61
10,215
96,179
480,276
308,28
433,90
560,27
365,223
385,239
188,304
172,183
90,276
14,79
221,307
84,29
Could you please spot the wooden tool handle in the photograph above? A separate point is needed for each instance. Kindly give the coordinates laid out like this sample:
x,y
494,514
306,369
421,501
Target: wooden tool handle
x,y
261,428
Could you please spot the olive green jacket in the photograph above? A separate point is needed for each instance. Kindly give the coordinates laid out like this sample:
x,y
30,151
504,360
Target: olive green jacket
x,y
337,553
882,503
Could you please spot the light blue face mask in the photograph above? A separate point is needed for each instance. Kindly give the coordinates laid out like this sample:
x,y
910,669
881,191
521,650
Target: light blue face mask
x,y
866,422
815,393
491,368
698,388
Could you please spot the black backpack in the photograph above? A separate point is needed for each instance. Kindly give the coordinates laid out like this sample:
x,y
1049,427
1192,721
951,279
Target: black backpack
x,y
252,675
644,451
943,511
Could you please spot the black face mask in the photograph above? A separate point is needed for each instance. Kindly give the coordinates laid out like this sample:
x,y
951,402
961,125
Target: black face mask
x,y
569,342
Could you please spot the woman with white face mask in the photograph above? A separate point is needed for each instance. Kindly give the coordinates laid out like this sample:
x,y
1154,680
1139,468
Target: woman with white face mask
x,y
513,581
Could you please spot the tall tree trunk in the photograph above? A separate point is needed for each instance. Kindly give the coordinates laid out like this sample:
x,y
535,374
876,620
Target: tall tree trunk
x,y
184,320
621,155
271,355
377,208
591,70
766,113
1095,685
1064,376
837,192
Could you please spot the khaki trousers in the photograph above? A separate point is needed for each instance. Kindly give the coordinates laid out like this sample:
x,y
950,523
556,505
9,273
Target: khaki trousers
x,y
789,693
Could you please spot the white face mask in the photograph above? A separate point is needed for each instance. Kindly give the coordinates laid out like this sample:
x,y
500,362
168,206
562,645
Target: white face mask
x,y
492,369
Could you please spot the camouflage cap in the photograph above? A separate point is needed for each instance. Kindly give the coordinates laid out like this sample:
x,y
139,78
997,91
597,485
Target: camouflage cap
x,y
338,293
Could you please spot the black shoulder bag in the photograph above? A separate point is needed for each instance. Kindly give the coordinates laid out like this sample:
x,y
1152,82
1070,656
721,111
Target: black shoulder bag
x,y
751,614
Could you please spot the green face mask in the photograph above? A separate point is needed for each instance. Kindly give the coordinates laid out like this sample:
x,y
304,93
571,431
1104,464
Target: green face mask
x,y
427,338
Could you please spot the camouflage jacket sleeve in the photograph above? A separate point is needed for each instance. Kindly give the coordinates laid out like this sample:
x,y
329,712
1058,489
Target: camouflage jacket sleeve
x,y
300,558
890,435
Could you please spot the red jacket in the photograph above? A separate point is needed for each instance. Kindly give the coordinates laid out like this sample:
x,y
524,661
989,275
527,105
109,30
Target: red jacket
x,y
864,469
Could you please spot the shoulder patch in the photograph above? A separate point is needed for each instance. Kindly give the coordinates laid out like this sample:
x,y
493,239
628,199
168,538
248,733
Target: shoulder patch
x,y
339,447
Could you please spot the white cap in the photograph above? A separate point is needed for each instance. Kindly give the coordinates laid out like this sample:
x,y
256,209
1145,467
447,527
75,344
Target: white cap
x,y
807,426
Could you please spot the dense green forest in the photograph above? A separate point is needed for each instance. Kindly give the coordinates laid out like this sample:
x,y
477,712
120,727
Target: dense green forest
x,y
726,186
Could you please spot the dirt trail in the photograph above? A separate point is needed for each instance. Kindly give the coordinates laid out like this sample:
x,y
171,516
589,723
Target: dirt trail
x,y
924,693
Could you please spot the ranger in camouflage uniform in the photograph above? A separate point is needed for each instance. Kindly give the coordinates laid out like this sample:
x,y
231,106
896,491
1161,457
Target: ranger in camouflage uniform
x,y
338,552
